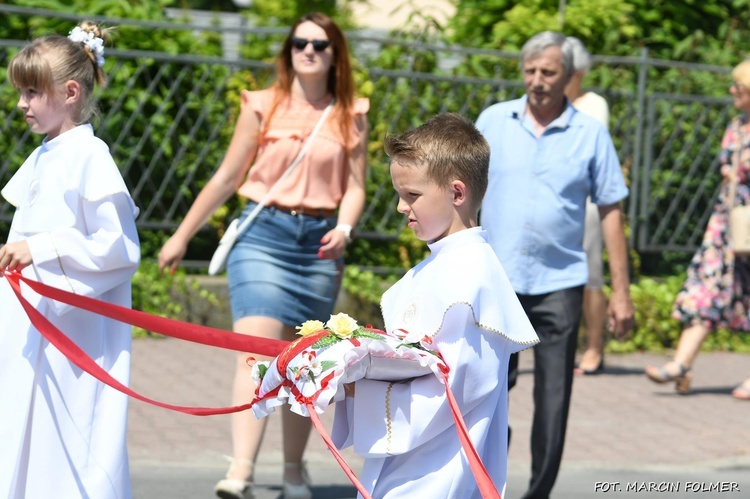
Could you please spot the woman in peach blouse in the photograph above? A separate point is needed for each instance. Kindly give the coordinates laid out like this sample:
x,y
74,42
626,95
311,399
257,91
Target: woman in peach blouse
x,y
287,267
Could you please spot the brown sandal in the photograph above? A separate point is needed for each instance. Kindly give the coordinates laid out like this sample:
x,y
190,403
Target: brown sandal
x,y
682,379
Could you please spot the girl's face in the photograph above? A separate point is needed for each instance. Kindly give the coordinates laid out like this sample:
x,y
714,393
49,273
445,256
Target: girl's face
x,y
311,58
45,112
429,208
49,112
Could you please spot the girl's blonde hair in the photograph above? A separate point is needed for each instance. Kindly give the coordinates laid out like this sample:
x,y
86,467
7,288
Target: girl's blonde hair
x,y
49,61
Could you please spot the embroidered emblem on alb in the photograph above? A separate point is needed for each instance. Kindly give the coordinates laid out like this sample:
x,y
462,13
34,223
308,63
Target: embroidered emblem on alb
x,y
410,313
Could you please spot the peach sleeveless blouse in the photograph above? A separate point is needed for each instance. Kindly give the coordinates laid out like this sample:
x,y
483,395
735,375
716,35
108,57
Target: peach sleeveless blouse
x,y
320,180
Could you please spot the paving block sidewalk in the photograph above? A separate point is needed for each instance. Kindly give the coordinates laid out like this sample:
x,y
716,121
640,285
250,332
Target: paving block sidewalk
x,y
618,420
621,420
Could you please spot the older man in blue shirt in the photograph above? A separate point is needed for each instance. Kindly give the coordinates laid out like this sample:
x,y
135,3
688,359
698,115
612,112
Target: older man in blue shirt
x,y
546,158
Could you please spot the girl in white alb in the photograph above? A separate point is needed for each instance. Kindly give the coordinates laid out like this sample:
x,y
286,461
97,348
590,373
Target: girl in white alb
x,y
62,432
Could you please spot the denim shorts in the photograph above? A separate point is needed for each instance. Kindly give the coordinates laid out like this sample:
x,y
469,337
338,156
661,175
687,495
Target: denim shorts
x,y
274,271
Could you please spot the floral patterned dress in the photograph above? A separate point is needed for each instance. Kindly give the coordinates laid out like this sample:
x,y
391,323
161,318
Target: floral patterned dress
x,y
716,292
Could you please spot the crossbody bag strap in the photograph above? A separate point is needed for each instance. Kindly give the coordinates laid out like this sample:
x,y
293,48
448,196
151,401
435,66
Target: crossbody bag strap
x,y
247,221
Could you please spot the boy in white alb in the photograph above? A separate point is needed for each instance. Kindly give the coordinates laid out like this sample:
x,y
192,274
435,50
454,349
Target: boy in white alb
x,y
461,298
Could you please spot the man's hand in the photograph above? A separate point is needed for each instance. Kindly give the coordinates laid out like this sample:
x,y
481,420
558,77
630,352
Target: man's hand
x,y
620,313
620,309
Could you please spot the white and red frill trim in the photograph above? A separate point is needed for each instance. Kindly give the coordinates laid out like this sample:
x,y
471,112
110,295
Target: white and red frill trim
x,y
312,371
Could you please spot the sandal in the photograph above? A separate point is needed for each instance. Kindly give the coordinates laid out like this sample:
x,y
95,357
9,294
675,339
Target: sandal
x,y
234,488
301,491
590,372
682,378
742,392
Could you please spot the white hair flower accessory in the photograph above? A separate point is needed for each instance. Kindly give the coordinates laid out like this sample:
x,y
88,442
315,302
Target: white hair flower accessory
x,y
93,43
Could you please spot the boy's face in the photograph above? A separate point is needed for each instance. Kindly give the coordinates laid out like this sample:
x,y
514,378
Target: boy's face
x,y
430,209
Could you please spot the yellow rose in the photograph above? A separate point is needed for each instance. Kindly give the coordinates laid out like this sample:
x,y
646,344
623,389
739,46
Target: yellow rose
x,y
309,327
342,325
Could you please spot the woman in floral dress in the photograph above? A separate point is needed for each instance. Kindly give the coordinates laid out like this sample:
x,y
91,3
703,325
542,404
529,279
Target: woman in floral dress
x,y
716,293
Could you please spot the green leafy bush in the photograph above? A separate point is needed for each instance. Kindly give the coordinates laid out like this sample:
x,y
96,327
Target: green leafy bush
x,y
151,293
654,329
168,295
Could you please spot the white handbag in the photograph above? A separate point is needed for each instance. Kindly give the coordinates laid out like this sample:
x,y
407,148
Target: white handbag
x,y
739,221
219,258
739,216
235,229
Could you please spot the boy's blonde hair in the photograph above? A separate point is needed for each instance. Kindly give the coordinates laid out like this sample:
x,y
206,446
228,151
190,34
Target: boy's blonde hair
x,y
450,147
50,61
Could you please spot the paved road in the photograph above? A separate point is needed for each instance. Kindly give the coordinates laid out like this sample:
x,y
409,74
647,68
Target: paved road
x,y
623,430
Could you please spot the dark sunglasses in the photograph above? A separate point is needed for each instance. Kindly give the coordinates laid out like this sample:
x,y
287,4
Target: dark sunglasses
x,y
318,45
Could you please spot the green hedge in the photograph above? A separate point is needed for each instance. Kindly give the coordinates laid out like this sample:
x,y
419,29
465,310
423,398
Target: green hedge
x,y
656,331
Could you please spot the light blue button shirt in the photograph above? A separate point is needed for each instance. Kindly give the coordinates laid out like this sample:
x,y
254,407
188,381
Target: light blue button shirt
x,y
535,203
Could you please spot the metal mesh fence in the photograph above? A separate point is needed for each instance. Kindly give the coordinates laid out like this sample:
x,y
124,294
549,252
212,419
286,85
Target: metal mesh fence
x,y
168,119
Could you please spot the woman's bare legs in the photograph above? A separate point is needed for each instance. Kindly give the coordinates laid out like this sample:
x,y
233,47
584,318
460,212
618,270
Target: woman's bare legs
x,y
296,430
690,343
679,368
688,347
594,317
247,432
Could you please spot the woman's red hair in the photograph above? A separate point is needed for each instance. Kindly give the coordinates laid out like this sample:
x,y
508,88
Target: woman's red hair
x,y
340,81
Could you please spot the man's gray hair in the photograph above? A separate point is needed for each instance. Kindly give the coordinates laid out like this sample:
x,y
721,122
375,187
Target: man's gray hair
x,y
537,43
581,56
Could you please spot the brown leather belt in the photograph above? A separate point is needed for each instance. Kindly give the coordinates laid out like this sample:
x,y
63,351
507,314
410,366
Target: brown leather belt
x,y
301,210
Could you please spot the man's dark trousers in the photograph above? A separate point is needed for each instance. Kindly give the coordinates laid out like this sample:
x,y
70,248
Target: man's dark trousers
x,y
556,317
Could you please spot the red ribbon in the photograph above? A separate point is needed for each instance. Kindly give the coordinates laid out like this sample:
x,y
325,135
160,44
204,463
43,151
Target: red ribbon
x,y
295,348
170,327
484,481
336,454
217,338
